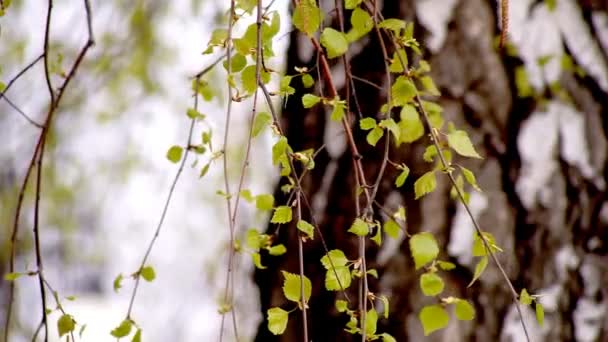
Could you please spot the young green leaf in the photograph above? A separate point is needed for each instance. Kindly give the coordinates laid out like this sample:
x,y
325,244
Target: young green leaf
x,y
277,250
361,23
148,273
402,177
395,25
479,248
117,283
338,111
387,337
402,91
260,122
392,126
257,260
341,305
307,81
446,265
309,100
123,329
391,228
174,154
433,318
350,4
137,336
12,276
367,123
540,313
336,277
264,202
371,322
374,135
307,17
410,126
525,298
429,85
359,227
282,214
479,268
277,320
306,228
431,284
470,177
424,248
65,324
425,184
464,310
337,259
377,238
334,42
460,142
292,287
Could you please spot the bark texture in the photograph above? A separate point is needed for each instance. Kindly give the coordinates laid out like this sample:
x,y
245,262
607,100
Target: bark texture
x,y
554,243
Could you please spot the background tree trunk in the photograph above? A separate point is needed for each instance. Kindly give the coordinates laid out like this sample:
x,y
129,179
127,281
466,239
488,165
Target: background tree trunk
x,y
543,175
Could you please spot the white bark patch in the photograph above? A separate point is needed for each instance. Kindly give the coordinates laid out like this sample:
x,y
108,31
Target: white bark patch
x,y
543,32
513,331
537,143
435,15
588,319
333,137
579,40
390,246
463,231
600,24
566,260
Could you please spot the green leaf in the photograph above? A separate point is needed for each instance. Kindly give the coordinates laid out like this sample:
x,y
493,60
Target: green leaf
x,y
374,135
524,88
464,310
249,81
237,63
385,305
373,272
334,42
470,177
341,305
174,154
337,258
292,287
65,324
433,318
460,142
257,260
2,86
137,336
340,276
307,17
540,313
479,248
307,81
309,100
429,153
117,283
264,202
431,284
402,91
429,85
479,268
279,149
367,123
391,228
253,239
247,196
387,338
361,23
410,125
148,273
359,227
446,265
425,184
392,126
402,177
306,228
398,60
377,238
277,250
525,298
281,215
338,111
371,322
424,248
194,114
277,320
260,122
395,25
350,4
123,329
12,276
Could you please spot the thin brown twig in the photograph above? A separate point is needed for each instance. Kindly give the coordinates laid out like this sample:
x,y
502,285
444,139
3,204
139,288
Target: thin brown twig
x,y
301,264
231,226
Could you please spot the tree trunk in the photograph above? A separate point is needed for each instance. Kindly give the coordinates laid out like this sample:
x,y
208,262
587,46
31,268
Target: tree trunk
x,y
543,175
